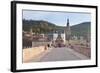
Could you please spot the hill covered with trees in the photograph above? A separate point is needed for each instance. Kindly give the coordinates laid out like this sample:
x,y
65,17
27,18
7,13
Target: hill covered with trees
x,y
82,29
40,26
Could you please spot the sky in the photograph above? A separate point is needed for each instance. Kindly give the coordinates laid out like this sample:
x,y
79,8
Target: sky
x,y
58,18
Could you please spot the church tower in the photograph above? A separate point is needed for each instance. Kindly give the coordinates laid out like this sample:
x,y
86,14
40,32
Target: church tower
x,y
68,31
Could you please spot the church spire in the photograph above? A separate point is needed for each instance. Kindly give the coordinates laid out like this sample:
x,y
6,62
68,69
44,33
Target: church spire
x,y
67,22
68,31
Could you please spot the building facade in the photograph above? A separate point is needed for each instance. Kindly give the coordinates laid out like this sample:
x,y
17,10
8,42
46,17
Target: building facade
x,y
56,38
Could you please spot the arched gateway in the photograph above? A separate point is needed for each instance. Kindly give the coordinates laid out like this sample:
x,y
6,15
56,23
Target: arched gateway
x,y
61,36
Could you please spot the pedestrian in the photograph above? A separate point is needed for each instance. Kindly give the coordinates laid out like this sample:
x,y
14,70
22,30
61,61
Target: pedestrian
x,y
48,45
45,48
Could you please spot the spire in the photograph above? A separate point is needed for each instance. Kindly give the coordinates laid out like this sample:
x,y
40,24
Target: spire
x,y
68,31
67,22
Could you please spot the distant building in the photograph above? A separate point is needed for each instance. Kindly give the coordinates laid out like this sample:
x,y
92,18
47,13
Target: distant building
x,y
60,37
57,37
74,38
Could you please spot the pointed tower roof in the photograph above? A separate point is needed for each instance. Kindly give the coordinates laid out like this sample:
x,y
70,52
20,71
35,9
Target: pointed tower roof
x,y
67,22
59,38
